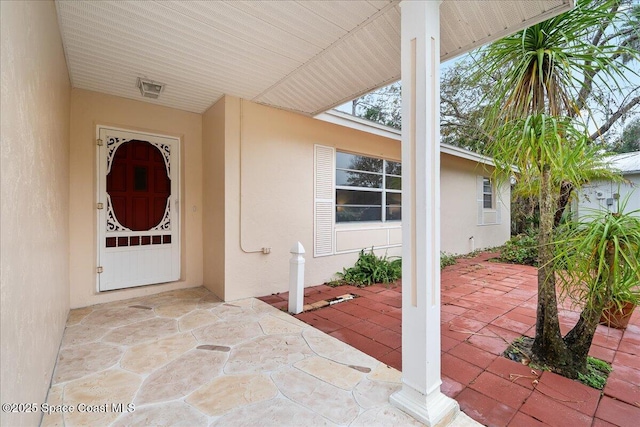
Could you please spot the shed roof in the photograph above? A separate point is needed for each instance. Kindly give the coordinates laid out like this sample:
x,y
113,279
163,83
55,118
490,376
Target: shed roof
x,y
627,163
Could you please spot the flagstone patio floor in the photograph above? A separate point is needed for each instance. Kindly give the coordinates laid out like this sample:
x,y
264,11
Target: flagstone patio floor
x,y
183,358
485,306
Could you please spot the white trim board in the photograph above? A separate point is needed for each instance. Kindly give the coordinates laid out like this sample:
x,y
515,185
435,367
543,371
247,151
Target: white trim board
x,y
347,120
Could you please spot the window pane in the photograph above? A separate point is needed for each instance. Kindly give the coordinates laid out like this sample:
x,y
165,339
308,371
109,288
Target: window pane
x,y
486,185
361,163
351,213
394,213
394,198
487,196
393,183
487,201
139,178
358,179
394,168
350,197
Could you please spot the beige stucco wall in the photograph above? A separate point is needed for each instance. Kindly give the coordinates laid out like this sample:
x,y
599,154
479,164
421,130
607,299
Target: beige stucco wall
x,y
459,209
269,194
89,109
213,217
34,227
268,199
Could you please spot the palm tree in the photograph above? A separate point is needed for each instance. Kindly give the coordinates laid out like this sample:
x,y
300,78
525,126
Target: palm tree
x,y
536,120
600,259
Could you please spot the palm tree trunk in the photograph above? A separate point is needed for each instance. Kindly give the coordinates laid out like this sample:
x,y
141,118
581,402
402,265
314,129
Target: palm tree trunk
x,y
548,346
566,188
579,339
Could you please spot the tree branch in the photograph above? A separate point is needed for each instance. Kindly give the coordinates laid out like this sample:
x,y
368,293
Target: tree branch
x,y
623,33
456,112
597,41
587,84
614,118
469,128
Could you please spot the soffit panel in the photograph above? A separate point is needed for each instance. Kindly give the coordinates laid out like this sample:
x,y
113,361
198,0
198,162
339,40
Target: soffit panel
x,y
294,18
306,56
230,20
345,14
378,4
117,40
466,25
377,44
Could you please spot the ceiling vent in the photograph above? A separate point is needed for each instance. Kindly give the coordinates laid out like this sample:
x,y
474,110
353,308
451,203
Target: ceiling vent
x,y
149,88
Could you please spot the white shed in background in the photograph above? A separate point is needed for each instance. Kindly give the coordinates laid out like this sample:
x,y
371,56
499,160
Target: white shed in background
x,y
606,195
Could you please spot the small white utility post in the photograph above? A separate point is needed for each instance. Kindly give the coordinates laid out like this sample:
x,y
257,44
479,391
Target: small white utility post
x,y
296,279
420,395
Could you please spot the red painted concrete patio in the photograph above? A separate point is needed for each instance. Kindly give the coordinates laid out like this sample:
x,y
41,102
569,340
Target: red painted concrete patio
x,y
485,306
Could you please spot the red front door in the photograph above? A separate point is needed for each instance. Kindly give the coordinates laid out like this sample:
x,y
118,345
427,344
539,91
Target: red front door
x,y
138,185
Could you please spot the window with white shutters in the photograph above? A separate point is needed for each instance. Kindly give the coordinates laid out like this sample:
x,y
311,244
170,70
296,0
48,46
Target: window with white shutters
x,y
488,204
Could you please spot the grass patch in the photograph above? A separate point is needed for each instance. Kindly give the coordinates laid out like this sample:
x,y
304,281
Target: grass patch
x,y
597,373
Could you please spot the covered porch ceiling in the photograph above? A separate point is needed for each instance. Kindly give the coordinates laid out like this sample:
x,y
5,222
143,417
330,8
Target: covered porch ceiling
x,y
303,56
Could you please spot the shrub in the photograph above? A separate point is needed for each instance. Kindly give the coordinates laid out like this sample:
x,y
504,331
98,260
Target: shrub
x,y
370,269
521,249
446,259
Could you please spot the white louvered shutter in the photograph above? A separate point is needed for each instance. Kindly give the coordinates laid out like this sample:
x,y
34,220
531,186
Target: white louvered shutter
x,y
498,207
323,209
480,199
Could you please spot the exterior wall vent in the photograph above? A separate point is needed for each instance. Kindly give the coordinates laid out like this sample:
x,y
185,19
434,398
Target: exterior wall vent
x,y
149,88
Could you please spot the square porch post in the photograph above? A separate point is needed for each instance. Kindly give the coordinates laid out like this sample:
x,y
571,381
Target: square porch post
x,y
420,395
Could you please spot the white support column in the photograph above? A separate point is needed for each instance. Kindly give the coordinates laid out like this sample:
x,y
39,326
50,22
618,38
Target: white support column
x,y
420,395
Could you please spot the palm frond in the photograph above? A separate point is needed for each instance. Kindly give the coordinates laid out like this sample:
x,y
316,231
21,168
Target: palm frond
x,y
546,64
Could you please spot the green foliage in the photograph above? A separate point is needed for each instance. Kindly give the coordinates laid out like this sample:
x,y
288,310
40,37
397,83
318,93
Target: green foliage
x,y
553,66
598,364
600,258
540,144
521,249
547,73
597,373
381,106
461,106
370,269
547,76
446,260
630,139
525,213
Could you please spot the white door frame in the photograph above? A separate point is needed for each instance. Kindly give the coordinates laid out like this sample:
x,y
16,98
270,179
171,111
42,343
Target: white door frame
x,y
119,268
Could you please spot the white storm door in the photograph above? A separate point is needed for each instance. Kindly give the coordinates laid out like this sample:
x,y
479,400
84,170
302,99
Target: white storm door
x,y
138,224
